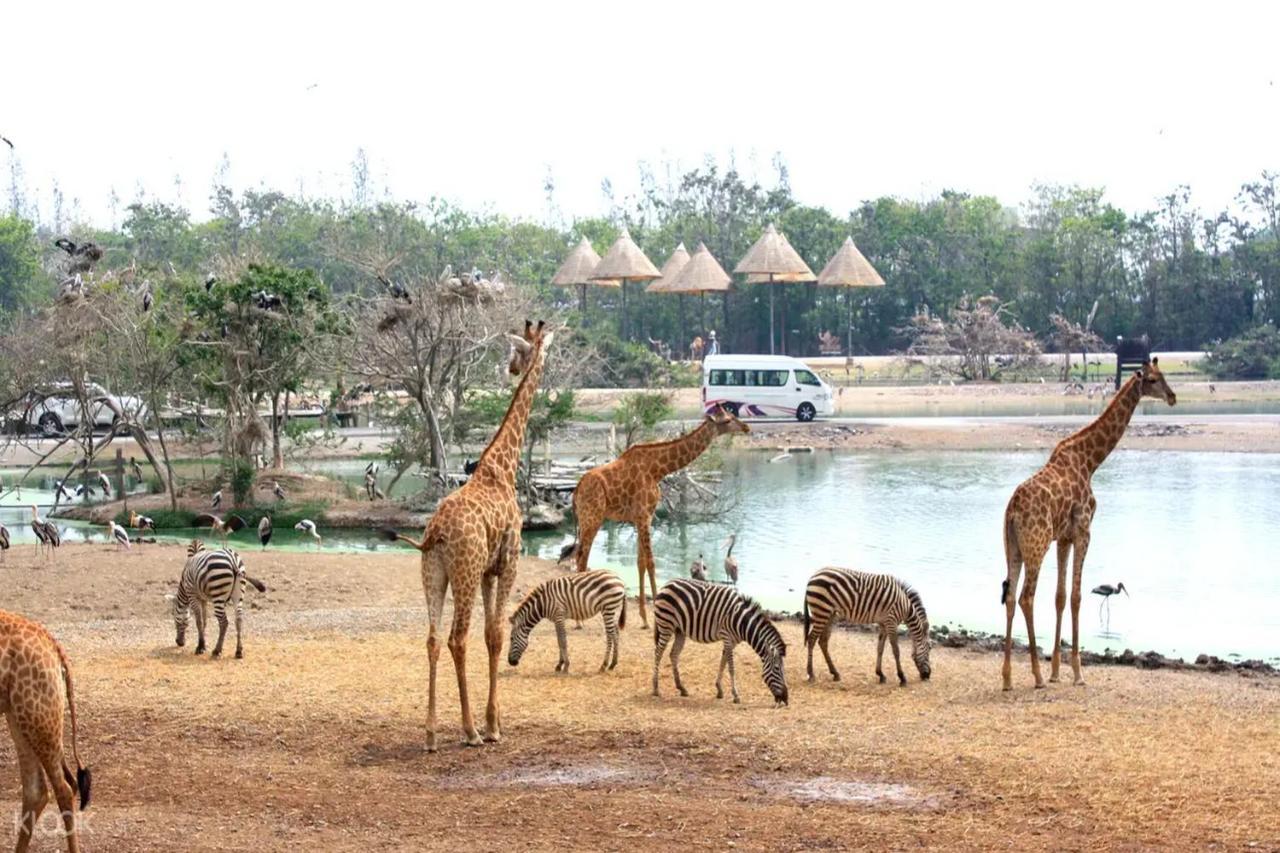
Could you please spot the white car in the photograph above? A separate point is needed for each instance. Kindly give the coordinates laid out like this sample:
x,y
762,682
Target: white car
x,y
61,411
765,385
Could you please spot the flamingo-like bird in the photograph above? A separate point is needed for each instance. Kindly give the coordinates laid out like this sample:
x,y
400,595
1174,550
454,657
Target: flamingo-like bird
x,y
1106,590
4,543
730,564
217,499
119,534
264,531
309,527
698,571
220,527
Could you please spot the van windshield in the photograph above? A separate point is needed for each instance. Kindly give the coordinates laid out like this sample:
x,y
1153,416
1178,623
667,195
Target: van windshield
x,y
804,377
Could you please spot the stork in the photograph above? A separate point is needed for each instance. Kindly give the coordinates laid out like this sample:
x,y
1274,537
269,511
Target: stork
x,y
105,483
119,534
730,564
264,531
309,527
1106,590
698,571
136,468
278,491
217,499
220,527
60,491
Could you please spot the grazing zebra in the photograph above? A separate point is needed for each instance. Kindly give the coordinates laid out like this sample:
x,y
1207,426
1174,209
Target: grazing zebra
x,y
579,595
712,612
865,599
211,577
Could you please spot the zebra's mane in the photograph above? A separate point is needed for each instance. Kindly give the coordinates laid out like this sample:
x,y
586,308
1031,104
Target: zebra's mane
x,y
749,607
917,606
526,602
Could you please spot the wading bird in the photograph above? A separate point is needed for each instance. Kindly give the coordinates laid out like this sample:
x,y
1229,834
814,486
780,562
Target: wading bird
x,y
217,499
60,492
220,527
45,531
264,531
83,491
278,491
730,564
698,571
1106,590
136,468
309,527
119,534
105,483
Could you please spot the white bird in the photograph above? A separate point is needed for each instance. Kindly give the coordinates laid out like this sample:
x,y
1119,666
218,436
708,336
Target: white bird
x,y
264,531
4,542
217,499
60,491
371,468
105,483
209,281
730,564
698,571
48,534
119,534
83,491
309,527
782,457
279,492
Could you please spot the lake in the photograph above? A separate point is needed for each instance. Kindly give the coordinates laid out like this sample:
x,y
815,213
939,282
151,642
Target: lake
x,y
1193,536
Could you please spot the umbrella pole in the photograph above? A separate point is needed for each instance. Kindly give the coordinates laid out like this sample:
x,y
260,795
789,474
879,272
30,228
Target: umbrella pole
x,y
622,321
724,333
849,328
770,285
681,343
582,303
702,311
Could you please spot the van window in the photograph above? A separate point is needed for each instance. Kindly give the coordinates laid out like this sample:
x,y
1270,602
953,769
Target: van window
x,y
727,377
804,377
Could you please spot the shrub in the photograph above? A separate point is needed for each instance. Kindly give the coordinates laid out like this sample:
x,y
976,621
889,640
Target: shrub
x,y
1255,354
242,477
639,413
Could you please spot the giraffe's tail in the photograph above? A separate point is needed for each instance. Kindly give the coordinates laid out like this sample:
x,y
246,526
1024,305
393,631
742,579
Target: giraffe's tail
x,y
82,779
394,536
1012,558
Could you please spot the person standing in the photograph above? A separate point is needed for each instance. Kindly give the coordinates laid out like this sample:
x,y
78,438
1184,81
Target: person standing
x,y
713,345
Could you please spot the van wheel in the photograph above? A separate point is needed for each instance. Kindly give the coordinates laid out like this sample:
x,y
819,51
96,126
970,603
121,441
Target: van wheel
x,y
50,424
805,413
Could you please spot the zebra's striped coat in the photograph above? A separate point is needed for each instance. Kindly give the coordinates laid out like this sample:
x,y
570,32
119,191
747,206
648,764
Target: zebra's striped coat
x,y
579,596
711,612
211,577
865,599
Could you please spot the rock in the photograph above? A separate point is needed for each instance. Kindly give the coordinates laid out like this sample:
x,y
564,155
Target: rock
x,y
543,517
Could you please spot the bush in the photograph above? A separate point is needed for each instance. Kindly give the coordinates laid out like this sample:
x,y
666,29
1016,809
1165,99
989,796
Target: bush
x,y
1252,355
242,477
639,413
630,365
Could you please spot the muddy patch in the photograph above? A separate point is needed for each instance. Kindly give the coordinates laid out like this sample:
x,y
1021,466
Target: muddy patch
x,y
853,792
559,775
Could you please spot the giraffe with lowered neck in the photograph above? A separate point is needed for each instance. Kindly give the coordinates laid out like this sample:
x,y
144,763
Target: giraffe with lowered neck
x,y
473,540
627,490
1057,503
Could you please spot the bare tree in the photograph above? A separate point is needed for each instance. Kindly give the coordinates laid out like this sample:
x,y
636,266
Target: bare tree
x,y
1068,337
980,341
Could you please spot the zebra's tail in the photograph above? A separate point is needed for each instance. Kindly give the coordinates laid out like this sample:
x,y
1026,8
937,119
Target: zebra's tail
x,y
82,779
257,584
622,617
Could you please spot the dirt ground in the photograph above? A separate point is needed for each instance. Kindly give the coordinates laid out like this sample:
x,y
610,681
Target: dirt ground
x,y
315,739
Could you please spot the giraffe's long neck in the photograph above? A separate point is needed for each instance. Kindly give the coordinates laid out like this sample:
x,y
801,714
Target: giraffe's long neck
x,y
1092,445
676,454
498,463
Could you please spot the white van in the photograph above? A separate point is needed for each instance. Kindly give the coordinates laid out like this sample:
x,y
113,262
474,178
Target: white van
x,y
759,386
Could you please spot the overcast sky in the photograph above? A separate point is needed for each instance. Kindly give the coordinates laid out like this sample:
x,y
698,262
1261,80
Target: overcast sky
x,y
476,101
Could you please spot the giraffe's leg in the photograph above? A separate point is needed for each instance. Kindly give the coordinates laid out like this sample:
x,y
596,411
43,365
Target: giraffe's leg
x,y
644,561
884,635
1014,561
435,582
676,648
660,640
588,526
220,614
50,753
505,577
464,597
563,640
1028,600
1077,573
202,615
1060,603
897,656
35,793
824,641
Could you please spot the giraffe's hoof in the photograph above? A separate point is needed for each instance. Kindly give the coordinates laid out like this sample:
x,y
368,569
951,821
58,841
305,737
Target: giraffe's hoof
x,y
1039,685
1079,682
473,740
1008,688
493,737
1053,679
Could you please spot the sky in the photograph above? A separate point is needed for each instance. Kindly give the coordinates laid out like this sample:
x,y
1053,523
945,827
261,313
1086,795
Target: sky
x,y
479,102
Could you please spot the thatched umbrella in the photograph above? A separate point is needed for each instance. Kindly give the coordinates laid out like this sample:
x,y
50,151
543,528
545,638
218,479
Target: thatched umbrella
x,y
773,257
848,268
670,270
625,262
577,269
702,275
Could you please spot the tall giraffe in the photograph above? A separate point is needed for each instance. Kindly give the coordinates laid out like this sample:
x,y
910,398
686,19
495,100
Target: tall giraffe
x,y
34,679
1057,503
473,539
626,489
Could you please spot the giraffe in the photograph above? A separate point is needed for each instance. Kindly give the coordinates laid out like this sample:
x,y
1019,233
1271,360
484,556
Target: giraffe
x,y
473,539
1057,503
626,489
34,678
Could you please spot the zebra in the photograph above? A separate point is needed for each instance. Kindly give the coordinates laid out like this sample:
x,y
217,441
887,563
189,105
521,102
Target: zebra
x,y
579,595
210,577
712,612
865,599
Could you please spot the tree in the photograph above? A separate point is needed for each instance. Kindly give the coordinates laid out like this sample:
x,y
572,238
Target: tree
x,y
23,282
1252,355
639,413
980,340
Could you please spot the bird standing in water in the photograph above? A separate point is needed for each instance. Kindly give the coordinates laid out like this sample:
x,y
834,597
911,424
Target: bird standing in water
x,y
1106,590
730,564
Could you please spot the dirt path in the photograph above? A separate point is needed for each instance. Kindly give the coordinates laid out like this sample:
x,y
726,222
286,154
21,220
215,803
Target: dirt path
x,y
314,740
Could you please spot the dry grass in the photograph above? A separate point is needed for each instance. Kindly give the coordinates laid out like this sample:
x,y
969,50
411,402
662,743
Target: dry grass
x,y
315,739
